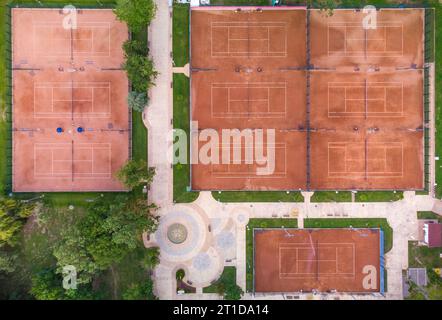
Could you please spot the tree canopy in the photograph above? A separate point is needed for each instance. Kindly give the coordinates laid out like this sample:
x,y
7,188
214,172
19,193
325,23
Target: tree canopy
x,y
137,101
13,214
140,72
135,173
109,231
139,291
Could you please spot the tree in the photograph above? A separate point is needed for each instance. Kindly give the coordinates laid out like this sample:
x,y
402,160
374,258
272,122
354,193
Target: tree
x,y
326,6
109,231
72,250
135,47
13,215
135,173
48,285
232,291
127,222
180,274
140,72
152,258
137,101
136,13
7,262
140,291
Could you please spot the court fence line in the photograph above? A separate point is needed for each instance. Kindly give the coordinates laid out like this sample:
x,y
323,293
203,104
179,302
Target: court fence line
x,y
427,129
51,5
253,264
429,56
381,262
429,29
190,133
130,124
308,74
315,5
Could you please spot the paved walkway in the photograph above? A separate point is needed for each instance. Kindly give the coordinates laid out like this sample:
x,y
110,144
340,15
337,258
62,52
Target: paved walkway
x,y
401,216
159,113
185,70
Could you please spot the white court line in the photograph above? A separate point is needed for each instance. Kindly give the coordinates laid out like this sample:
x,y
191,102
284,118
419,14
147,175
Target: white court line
x,y
229,25
361,53
250,85
300,275
235,174
360,85
92,86
84,25
91,147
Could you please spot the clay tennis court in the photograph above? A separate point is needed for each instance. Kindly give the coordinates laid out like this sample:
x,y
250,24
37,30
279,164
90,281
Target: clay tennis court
x,y
342,41
247,73
348,112
70,116
324,260
366,120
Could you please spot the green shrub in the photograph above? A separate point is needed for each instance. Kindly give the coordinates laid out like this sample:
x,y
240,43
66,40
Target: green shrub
x,y
180,274
136,13
140,72
137,101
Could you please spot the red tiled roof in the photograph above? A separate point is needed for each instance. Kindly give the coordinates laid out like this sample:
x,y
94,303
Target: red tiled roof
x,y
434,235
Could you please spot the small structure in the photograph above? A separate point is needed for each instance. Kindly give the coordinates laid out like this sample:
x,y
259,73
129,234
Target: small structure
x,y
433,234
177,233
418,276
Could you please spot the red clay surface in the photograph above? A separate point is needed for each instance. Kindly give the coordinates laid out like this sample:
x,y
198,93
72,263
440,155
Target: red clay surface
x,y
366,130
68,78
366,87
244,77
340,40
294,260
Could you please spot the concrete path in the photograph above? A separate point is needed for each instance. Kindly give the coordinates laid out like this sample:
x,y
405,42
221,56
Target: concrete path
x,y
159,113
185,70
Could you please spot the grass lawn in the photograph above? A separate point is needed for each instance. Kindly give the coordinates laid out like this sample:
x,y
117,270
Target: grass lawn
x,y
422,256
258,196
228,276
378,196
139,130
181,102
181,172
438,112
261,223
117,279
428,215
180,34
356,223
331,196
139,137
